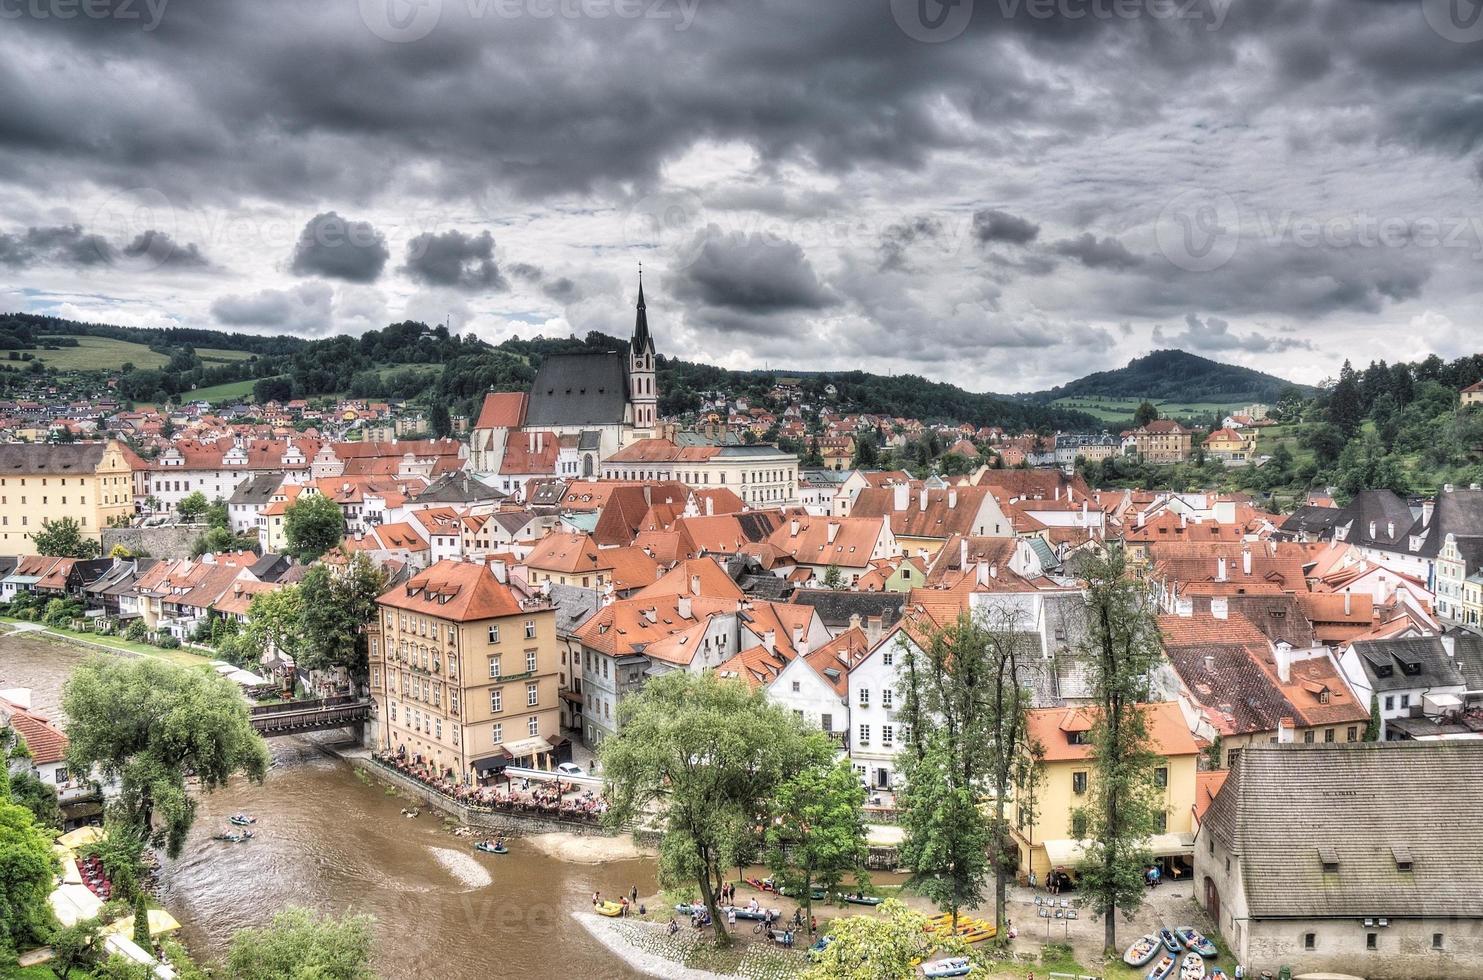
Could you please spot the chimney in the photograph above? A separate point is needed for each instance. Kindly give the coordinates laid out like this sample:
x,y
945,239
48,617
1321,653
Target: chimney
x,y
993,571
530,442
873,630
1209,664
1427,507
1220,608
833,531
1183,520
982,572
1282,653
1084,508
1246,561
682,606
793,528
710,506
952,497
1141,517
963,552
924,498
1220,569
797,636
854,621
770,640
501,571
695,585
1057,491
1348,602
902,494
651,615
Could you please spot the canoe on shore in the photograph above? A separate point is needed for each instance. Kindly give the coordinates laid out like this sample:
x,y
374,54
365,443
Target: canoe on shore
x,y
1193,967
489,848
742,912
1163,968
1195,942
1143,951
860,899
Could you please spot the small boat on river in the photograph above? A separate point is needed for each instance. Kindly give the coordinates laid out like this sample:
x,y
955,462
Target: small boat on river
x,y
491,848
860,898
241,820
610,909
241,838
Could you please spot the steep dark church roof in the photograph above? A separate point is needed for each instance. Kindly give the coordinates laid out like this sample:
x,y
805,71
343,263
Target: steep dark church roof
x,y
642,342
579,389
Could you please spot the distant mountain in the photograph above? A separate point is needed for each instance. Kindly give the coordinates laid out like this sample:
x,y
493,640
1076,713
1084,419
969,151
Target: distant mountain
x,y
1174,375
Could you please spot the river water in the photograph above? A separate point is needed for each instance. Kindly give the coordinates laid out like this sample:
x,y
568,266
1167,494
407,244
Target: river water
x,y
331,841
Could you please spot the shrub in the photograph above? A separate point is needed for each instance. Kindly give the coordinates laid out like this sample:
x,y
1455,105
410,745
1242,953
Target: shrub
x,y
137,631
167,641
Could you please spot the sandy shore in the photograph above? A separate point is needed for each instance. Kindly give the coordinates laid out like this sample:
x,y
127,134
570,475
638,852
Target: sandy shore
x,y
582,849
609,933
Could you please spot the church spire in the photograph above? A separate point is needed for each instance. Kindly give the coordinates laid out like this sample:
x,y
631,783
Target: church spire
x,y
642,343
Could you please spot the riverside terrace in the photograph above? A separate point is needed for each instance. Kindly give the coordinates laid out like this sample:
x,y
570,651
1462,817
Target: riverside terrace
x,y
522,795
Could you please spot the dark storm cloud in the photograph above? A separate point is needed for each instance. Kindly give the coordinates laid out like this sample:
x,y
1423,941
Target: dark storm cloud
x,y
160,249
55,245
750,274
898,239
993,225
335,248
305,310
1214,335
1097,253
455,259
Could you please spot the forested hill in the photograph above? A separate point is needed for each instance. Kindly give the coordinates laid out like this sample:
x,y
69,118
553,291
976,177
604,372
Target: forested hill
x,y
411,360
1174,375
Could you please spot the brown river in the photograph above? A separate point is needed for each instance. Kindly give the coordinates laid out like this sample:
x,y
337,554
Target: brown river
x,y
333,842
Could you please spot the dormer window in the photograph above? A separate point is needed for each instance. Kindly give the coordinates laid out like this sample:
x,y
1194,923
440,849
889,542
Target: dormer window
x,y
1328,857
1402,856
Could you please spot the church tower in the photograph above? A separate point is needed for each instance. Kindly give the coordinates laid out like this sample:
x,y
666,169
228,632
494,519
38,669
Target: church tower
x,y
641,391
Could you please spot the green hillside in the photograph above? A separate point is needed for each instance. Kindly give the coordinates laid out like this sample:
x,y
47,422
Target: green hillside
x,y
1177,377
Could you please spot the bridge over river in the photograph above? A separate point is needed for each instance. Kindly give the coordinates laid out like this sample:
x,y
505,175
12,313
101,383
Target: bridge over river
x,y
318,714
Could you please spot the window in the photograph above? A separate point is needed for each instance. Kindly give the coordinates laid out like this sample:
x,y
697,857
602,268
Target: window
x,y
494,668
826,722
1161,778
530,629
498,732
1078,784
438,724
797,687
1160,822
864,734
497,700
1372,940
1328,734
1310,940
864,697
1308,736
533,725
1389,706
532,694
887,696
494,633
1352,734
1231,756
530,661
888,656
888,735
1436,940
1405,700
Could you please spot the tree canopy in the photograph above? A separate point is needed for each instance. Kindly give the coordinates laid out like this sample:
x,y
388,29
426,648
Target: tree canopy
x,y
299,945
149,724
312,525
63,539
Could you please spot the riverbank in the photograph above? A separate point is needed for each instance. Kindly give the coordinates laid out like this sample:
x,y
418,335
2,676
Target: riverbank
x,y
103,644
649,949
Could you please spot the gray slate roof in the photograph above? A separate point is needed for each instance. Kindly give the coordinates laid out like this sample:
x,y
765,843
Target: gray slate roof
x,y
1362,801
579,389
257,491
1407,663
459,487
835,607
25,458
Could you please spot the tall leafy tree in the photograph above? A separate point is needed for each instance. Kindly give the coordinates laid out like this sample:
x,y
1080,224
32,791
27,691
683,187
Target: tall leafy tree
x,y
193,505
1123,646
706,755
27,867
312,525
299,945
63,539
334,610
885,945
817,832
1145,413
947,837
148,724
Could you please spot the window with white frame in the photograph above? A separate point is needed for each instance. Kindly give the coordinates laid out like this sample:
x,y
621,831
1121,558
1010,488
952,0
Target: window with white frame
x,y
530,661
864,734
532,695
887,696
498,732
494,633
533,725
497,700
864,697
494,668
530,629
888,735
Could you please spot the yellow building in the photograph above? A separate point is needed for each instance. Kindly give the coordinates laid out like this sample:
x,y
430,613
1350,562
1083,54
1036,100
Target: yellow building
x,y
1047,827
1232,444
1163,441
1472,600
90,482
464,672
1472,394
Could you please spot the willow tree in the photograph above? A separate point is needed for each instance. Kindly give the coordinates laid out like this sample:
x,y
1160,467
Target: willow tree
x,y
702,758
1122,647
149,724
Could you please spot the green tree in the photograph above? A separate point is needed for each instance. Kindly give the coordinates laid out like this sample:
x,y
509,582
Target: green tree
x,y
705,755
148,724
273,626
192,506
1372,727
27,867
63,539
312,524
141,922
302,946
817,833
1122,648
335,609
77,947
1145,413
121,850
947,834
833,578
885,945
438,420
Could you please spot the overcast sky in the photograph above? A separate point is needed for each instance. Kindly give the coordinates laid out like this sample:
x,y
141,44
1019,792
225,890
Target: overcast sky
x,y
1005,194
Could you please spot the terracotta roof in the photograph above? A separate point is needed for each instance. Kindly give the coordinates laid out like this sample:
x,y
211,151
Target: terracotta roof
x,y
502,409
455,590
1207,787
561,551
947,512
47,742
848,542
1052,728
694,577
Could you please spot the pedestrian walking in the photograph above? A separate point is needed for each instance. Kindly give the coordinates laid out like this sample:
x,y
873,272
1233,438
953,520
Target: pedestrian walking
x,y
633,895
731,916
